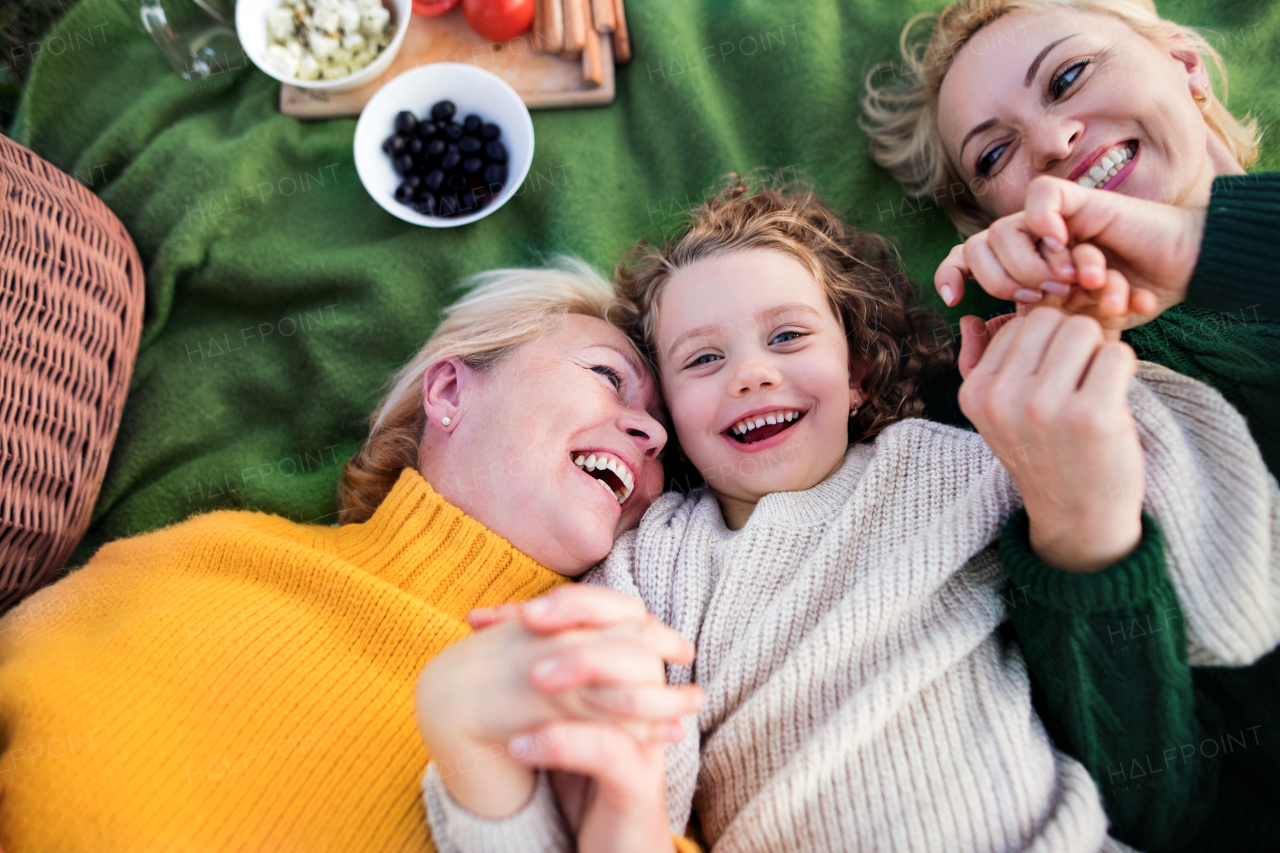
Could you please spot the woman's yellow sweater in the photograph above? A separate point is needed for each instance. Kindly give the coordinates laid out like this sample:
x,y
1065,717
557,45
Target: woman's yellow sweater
x,y
241,682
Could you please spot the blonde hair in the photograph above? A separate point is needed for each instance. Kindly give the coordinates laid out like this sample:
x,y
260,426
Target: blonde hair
x,y
902,119
503,309
874,300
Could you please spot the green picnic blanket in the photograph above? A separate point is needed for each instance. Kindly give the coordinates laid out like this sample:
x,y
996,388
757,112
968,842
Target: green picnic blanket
x,y
280,296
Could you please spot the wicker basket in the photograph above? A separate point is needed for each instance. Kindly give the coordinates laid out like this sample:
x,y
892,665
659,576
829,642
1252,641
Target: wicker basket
x,y
71,302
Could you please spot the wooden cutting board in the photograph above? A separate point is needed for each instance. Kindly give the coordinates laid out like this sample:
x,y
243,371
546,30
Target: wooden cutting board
x,y
543,80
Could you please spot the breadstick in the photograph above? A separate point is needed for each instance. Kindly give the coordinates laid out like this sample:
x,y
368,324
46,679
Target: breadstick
x,y
621,41
548,37
592,61
602,15
575,28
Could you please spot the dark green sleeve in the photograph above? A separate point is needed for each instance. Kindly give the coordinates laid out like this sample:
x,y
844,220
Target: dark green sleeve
x,y
1240,256
1107,655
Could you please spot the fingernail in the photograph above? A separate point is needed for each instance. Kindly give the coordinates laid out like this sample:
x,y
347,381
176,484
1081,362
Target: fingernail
x,y
1026,295
520,745
675,732
1052,244
1057,288
947,295
546,667
537,607
1069,269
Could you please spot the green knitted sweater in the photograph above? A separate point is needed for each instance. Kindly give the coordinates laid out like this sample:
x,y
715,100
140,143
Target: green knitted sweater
x,y
1184,758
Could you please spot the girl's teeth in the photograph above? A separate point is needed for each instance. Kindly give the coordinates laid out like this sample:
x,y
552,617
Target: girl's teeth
x,y
745,426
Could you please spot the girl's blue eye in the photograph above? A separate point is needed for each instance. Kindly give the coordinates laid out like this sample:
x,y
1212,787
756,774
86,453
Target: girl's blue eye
x,y
613,375
703,359
1065,80
987,161
778,337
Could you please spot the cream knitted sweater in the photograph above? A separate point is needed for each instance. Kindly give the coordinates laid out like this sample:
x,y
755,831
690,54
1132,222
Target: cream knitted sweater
x,y
858,694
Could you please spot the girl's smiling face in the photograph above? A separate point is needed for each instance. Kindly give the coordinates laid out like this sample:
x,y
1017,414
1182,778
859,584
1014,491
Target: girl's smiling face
x,y
1081,96
749,338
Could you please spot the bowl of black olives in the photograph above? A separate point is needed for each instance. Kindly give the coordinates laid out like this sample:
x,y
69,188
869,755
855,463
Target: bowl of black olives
x,y
444,144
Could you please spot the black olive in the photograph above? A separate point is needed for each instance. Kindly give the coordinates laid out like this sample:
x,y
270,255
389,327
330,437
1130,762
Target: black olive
x,y
450,160
415,146
403,163
413,181
453,131
434,179
388,144
404,193
496,151
456,182
472,165
483,198
435,147
469,145
495,174
443,111
406,122
490,132
473,123
426,203
428,129
451,148
448,206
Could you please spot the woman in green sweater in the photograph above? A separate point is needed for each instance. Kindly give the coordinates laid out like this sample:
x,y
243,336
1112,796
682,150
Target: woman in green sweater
x,y
1103,94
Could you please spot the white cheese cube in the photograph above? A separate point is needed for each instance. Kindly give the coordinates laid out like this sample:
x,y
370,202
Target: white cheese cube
x,y
353,41
281,61
291,45
280,23
333,72
375,20
322,45
327,20
349,14
308,68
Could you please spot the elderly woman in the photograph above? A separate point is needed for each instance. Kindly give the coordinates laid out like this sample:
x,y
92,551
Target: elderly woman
x,y
1086,138
241,681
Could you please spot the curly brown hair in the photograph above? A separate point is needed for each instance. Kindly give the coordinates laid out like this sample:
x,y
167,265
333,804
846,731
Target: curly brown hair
x,y
876,303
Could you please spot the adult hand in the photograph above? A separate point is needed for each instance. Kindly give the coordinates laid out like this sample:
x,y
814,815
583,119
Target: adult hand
x,y
611,788
1050,397
479,693
1129,259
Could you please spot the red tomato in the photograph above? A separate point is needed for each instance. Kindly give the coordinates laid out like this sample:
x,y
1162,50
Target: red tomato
x,y
433,8
499,20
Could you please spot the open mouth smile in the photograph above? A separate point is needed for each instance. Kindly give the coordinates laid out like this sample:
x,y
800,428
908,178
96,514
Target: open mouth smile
x,y
607,470
1109,168
764,425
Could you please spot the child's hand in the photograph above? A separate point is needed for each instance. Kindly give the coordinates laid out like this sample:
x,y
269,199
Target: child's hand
x,y
1063,243
505,680
1050,397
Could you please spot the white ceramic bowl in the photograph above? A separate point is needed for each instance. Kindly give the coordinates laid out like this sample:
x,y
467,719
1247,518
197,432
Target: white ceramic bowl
x,y
472,90
251,29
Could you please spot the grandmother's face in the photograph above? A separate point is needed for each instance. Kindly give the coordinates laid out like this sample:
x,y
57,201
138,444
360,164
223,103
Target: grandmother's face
x,y
524,431
1055,92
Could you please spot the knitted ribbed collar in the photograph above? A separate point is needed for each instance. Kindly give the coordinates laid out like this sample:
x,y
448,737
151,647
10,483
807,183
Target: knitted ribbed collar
x,y
817,505
421,543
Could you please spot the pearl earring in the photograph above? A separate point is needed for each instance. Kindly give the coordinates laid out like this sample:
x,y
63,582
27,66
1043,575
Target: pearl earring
x,y
445,420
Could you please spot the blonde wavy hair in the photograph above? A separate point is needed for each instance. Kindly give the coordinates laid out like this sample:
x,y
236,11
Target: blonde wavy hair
x,y
502,309
902,117
876,303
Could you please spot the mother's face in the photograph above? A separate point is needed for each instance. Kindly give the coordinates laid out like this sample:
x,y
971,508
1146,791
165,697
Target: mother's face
x,y
1054,92
507,458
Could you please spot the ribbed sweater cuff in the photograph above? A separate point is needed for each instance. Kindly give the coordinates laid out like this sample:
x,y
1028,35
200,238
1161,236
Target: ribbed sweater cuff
x,y
536,828
1122,586
1240,254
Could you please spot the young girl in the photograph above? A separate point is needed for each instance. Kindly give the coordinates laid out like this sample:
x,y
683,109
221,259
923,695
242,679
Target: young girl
x,y
838,571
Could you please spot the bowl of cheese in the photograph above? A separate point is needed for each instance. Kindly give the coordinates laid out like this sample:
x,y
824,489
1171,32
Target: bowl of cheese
x,y
331,45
